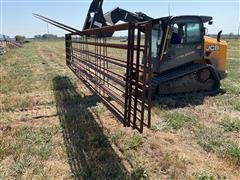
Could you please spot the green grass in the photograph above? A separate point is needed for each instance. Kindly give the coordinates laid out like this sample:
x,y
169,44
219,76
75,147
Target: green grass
x,y
135,141
139,173
27,67
21,165
6,148
203,176
36,142
30,148
116,136
232,150
177,120
211,140
229,124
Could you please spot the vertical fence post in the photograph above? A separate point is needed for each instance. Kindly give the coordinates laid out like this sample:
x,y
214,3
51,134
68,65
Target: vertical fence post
x,y
128,88
136,77
149,71
68,46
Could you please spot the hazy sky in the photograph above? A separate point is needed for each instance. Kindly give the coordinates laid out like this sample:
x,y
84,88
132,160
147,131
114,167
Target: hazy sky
x,y
16,15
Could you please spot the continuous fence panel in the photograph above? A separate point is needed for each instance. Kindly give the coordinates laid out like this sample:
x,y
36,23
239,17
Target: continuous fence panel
x,y
119,71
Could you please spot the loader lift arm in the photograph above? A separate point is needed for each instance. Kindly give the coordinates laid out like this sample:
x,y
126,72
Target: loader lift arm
x,y
119,14
96,19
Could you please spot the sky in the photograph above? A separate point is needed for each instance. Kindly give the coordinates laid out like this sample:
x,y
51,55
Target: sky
x,y
16,15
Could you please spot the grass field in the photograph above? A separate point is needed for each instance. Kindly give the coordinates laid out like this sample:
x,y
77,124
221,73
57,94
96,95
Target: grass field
x,y
52,127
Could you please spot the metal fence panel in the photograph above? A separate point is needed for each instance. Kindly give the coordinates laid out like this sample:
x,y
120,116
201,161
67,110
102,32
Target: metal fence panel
x,y
118,72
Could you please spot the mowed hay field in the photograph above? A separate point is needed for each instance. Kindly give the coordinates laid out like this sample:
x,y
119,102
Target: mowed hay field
x,y
53,127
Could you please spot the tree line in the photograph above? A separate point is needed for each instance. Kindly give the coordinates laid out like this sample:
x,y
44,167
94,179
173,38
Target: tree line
x,y
47,37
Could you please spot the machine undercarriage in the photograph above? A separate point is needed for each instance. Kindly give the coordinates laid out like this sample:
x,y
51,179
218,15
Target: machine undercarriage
x,y
194,79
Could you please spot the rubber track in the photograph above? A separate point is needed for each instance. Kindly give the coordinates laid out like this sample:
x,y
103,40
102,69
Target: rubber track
x,y
187,69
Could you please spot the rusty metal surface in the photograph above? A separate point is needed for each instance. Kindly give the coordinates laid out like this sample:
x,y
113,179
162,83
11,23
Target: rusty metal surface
x,y
118,73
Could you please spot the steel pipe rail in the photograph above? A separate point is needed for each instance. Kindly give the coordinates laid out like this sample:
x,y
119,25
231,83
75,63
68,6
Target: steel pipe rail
x,y
123,84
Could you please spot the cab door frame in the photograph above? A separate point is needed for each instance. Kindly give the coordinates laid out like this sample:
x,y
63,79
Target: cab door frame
x,y
194,53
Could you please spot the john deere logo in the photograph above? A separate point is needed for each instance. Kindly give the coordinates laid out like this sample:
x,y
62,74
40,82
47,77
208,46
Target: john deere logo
x,y
213,48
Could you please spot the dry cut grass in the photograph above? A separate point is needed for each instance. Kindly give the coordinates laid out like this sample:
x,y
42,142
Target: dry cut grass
x,y
52,126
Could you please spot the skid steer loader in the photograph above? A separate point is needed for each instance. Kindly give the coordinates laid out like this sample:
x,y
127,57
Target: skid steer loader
x,y
184,59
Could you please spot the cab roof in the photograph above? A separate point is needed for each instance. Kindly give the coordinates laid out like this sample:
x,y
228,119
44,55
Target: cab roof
x,y
168,18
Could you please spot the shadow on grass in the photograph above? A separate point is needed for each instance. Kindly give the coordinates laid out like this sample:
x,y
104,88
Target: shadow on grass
x,y
89,152
177,102
174,102
191,100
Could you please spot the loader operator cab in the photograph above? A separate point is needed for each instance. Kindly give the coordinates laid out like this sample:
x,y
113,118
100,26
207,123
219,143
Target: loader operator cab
x,y
176,41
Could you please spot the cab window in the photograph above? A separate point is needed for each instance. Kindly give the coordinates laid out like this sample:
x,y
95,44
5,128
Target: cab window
x,y
157,33
193,33
186,33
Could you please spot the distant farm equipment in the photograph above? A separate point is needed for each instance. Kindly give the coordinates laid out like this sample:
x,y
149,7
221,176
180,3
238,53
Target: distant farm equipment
x,y
6,41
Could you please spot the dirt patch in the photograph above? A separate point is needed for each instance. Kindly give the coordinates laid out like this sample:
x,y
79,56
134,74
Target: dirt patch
x,y
3,71
57,169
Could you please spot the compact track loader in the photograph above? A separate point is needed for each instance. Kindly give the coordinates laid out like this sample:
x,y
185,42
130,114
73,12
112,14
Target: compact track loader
x,y
184,59
167,56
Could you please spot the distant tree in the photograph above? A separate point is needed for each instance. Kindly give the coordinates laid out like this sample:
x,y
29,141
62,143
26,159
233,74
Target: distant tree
x,y
37,37
47,36
20,38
